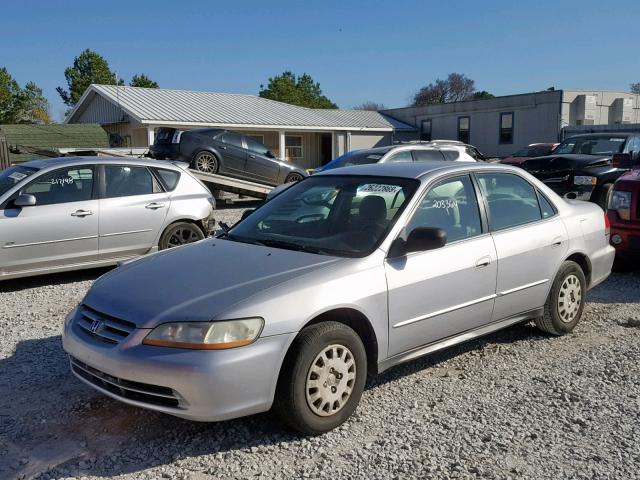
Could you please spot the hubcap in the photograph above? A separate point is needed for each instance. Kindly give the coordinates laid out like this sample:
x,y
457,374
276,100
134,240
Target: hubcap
x,y
330,380
205,162
570,298
182,236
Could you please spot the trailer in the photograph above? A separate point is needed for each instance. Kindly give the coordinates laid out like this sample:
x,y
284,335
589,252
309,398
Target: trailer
x,y
232,185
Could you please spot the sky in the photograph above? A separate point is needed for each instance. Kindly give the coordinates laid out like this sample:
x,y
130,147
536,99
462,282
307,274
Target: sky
x,y
381,51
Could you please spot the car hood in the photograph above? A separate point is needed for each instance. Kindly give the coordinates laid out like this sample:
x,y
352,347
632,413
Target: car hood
x,y
564,163
196,282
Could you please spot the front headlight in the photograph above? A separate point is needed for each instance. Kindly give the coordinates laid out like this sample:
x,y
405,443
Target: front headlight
x,y
584,180
206,335
621,202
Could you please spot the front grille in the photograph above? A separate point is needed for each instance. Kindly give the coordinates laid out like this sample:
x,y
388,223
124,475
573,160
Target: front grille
x,y
102,327
140,392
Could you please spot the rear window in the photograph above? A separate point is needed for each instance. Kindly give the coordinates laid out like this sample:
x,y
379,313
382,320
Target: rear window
x,y
168,178
164,135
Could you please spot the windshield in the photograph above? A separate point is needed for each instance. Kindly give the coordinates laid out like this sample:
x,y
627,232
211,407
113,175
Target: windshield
x,y
538,151
11,176
591,145
331,215
356,157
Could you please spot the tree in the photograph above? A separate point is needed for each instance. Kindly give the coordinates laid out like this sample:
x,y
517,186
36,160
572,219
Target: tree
x,y
456,88
635,88
21,105
483,95
88,67
34,107
370,106
296,90
143,81
9,98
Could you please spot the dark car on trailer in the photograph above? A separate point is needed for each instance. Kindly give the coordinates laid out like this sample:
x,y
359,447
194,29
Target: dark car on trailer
x,y
219,151
581,166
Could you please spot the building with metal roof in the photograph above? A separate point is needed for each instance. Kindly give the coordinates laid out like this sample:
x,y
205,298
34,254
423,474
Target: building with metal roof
x,y
308,136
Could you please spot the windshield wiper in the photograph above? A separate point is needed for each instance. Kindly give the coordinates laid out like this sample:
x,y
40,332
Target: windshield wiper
x,y
269,242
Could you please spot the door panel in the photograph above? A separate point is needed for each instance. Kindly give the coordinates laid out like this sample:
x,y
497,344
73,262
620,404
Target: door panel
x,y
234,155
528,260
259,166
48,236
132,213
443,292
436,294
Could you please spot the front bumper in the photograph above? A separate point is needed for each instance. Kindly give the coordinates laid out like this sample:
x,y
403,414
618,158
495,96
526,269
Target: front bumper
x,y
197,385
628,245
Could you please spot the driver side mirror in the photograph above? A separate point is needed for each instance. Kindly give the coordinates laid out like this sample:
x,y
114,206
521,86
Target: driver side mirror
x,y
621,160
270,154
24,200
246,213
420,239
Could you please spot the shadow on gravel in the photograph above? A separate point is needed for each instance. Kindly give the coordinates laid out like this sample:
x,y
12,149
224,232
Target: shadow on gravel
x,y
51,422
51,279
620,287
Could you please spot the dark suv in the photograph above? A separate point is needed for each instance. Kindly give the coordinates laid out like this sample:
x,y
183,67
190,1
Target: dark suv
x,y
213,150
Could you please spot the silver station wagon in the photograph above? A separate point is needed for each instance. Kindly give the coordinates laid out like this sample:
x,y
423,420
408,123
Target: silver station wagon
x,y
343,274
81,212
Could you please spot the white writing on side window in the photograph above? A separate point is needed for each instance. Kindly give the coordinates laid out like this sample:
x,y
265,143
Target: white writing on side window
x,y
62,181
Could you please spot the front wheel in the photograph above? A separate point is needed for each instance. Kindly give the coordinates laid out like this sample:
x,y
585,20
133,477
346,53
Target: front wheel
x,y
293,177
178,234
564,305
322,379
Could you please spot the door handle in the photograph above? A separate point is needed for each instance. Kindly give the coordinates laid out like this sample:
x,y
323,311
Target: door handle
x,y
483,262
82,213
222,147
154,205
252,156
556,242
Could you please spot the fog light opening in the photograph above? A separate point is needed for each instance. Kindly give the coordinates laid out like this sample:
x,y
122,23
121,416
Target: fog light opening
x,y
616,239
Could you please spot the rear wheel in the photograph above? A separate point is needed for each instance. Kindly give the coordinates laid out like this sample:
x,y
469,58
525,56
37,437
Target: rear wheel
x,y
322,379
293,177
180,233
565,302
206,162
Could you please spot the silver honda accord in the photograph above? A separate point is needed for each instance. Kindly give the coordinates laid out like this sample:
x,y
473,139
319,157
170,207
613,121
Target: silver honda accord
x,y
343,274
82,212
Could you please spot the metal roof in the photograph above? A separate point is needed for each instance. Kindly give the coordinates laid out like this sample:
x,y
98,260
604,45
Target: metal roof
x,y
182,107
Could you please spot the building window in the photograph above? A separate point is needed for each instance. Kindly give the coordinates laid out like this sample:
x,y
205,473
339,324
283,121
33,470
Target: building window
x,y
506,127
464,129
425,130
293,147
257,138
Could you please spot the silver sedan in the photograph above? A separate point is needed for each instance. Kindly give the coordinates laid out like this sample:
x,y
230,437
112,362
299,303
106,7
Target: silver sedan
x,y
82,212
344,274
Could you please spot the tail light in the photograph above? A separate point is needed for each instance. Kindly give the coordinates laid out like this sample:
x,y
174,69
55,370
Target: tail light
x,y
607,225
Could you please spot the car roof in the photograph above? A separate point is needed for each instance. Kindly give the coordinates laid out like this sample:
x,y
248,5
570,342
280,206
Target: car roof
x,y
413,169
602,134
70,161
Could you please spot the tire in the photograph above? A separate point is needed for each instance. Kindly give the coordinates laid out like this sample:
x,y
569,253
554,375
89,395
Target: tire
x,y
180,233
293,177
206,162
309,409
602,195
565,303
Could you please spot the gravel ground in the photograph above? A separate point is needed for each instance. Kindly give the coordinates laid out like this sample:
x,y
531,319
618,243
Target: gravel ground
x,y
516,404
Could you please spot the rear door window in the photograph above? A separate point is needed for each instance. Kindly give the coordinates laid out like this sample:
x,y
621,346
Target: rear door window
x,y
511,200
125,181
427,155
71,184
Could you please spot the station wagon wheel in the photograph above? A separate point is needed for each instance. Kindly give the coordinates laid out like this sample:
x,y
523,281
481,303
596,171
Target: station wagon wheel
x,y
179,234
565,302
206,162
293,177
322,378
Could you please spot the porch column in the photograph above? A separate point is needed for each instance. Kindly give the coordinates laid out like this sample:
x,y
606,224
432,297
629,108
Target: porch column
x,y
150,136
347,145
333,145
282,143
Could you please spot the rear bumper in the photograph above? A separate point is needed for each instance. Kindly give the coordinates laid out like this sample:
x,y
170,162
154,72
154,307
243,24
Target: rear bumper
x,y
165,151
197,385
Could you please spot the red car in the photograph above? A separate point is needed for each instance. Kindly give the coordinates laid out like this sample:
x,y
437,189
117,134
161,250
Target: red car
x,y
532,151
624,215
